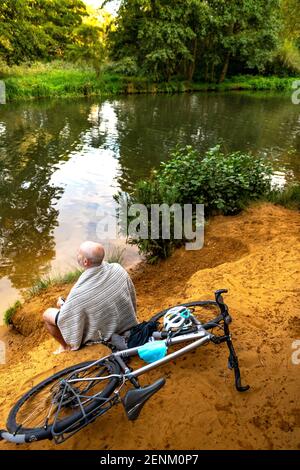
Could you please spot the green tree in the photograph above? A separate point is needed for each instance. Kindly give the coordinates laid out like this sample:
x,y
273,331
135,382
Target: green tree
x,y
291,18
171,37
289,53
89,40
246,31
161,35
37,29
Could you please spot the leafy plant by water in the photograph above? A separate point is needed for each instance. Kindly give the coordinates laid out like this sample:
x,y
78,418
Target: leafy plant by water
x,y
224,183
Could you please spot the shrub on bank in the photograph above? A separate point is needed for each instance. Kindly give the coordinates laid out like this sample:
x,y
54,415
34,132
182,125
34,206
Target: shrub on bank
x,y
224,183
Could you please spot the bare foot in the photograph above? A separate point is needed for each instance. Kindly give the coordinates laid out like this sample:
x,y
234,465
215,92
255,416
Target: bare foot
x,y
61,349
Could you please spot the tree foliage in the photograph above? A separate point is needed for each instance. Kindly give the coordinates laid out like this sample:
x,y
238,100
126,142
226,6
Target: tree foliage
x,y
291,18
89,40
168,37
37,29
161,39
287,58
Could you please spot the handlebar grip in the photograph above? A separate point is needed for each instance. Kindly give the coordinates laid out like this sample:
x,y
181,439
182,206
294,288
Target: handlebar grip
x,y
16,439
220,292
218,295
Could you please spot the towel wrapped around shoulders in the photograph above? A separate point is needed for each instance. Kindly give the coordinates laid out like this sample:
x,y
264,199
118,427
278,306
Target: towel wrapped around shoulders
x,y
101,303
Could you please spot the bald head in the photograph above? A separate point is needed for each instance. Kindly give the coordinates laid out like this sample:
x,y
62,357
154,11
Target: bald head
x,y
90,254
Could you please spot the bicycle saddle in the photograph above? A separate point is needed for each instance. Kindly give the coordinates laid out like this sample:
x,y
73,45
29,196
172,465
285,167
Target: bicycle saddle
x,y
135,399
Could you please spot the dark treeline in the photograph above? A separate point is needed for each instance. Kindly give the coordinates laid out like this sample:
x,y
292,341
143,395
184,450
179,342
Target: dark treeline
x,y
161,39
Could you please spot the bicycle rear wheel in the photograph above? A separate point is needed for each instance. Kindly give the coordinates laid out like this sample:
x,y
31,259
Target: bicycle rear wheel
x,y
48,403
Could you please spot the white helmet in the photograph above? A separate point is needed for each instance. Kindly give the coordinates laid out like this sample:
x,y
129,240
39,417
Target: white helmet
x,y
177,317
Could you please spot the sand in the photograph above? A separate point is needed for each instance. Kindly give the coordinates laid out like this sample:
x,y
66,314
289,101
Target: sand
x,y
256,256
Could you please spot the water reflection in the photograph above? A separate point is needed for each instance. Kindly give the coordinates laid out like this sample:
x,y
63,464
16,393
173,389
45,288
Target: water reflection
x,y
150,126
33,140
61,162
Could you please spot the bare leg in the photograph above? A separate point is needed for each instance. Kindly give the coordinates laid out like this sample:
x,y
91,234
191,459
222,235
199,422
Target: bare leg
x,y
49,319
55,332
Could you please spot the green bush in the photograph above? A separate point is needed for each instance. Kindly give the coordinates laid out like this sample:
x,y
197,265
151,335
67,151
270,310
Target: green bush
x,y
225,184
147,193
126,67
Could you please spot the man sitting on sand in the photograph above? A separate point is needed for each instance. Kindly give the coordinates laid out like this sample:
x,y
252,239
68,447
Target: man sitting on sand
x,y
101,305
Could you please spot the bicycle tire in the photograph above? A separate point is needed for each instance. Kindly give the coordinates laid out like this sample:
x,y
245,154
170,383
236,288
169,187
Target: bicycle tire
x,y
40,433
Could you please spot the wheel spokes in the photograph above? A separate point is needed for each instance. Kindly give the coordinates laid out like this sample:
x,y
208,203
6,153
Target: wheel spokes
x,y
41,409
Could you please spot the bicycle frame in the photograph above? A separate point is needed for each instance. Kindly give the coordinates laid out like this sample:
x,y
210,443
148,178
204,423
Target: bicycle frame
x,y
199,338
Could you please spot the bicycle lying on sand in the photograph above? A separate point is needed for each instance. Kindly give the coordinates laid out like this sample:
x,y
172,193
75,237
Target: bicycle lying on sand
x,y
64,403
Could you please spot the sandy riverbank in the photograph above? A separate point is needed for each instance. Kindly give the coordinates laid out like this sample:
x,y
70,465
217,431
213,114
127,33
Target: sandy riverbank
x,y
256,256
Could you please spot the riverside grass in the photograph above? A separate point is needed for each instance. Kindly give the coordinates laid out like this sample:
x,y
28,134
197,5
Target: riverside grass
x,y
288,197
63,80
41,284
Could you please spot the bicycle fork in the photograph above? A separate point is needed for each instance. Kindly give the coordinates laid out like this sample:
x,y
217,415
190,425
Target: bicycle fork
x,y
233,363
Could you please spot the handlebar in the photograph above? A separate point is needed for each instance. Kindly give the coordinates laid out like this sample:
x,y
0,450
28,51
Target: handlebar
x,y
233,362
219,297
222,306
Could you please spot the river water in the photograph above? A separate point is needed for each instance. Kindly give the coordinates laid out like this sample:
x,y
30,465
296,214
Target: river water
x,y
62,161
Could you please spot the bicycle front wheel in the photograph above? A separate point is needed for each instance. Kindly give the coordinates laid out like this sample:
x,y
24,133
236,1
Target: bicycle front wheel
x,y
51,402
